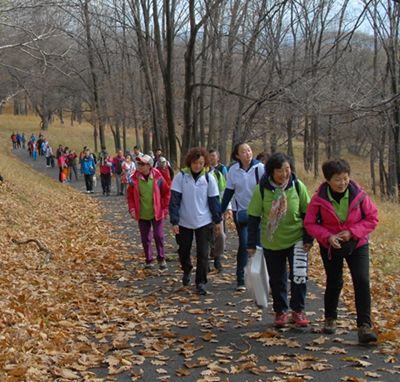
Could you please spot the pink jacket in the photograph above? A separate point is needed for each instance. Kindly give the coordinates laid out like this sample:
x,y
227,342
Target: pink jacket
x,y
161,195
321,220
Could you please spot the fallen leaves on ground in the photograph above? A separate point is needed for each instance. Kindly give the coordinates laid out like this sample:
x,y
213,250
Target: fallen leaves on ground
x,y
65,315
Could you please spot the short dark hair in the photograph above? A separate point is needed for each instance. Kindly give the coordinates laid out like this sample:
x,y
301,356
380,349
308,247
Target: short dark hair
x,y
194,154
335,166
137,147
212,151
275,161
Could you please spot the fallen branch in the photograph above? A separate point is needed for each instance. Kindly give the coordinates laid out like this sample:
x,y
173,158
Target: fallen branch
x,y
42,247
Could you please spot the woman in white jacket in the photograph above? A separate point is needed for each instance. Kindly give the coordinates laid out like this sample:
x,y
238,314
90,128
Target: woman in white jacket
x,y
242,178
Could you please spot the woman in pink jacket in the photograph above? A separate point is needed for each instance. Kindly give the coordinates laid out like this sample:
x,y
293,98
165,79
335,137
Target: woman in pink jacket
x,y
340,216
148,201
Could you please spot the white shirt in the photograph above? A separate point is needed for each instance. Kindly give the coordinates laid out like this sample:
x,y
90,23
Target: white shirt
x,y
243,183
194,211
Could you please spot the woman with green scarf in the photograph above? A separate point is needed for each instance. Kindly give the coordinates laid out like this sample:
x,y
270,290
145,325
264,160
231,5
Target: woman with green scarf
x,y
279,203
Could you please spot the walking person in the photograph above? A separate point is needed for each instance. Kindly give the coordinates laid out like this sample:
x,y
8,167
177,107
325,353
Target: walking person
x,y
88,169
242,178
34,150
194,207
117,171
217,243
128,168
105,163
49,155
62,164
340,216
73,164
23,140
148,198
165,169
279,203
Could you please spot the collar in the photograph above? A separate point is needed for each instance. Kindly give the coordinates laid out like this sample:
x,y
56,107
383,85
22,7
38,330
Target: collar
x,y
332,199
252,163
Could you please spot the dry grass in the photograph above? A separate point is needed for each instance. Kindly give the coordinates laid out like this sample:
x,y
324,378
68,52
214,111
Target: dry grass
x,y
75,136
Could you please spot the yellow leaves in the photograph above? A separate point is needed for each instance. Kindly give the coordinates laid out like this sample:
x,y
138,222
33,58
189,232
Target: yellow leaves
x,y
357,362
336,350
196,311
372,374
390,359
15,370
320,340
201,361
208,336
183,372
66,373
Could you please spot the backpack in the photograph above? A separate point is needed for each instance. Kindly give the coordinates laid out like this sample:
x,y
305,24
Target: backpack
x,y
118,167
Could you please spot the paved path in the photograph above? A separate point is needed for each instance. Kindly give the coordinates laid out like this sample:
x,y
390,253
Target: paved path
x,y
224,328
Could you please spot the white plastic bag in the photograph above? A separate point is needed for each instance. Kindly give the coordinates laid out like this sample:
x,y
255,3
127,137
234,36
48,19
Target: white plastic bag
x,y
256,278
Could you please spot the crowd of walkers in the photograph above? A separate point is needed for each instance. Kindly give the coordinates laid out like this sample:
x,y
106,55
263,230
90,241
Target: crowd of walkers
x,y
271,208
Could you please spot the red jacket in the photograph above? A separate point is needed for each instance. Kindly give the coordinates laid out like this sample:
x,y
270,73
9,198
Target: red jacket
x,y
166,173
161,194
321,220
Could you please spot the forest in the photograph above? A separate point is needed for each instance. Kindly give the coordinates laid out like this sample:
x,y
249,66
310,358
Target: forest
x,y
319,76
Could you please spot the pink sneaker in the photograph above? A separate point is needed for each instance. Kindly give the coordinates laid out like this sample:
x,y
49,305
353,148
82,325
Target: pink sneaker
x,y
300,319
281,319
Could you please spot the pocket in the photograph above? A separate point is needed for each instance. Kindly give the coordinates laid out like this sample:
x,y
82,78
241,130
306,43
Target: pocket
x,y
242,217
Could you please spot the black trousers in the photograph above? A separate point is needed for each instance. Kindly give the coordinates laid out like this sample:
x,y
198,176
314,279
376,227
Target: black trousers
x,y
184,240
89,182
358,263
105,183
277,264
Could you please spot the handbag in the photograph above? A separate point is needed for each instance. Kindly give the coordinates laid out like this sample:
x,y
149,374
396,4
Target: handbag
x,y
256,278
347,248
242,217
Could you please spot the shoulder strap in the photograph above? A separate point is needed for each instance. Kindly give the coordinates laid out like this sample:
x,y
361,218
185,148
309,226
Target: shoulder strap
x,y
297,186
217,173
257,176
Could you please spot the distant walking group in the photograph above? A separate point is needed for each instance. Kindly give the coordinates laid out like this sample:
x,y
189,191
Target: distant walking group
x,y
271,208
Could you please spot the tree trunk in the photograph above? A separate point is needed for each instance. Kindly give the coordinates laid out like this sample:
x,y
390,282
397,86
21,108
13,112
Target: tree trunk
x,y
307,153
95,91
289,131
315,143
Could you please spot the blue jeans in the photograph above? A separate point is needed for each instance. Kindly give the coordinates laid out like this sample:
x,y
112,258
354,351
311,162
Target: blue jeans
x,y
241,256
278,279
